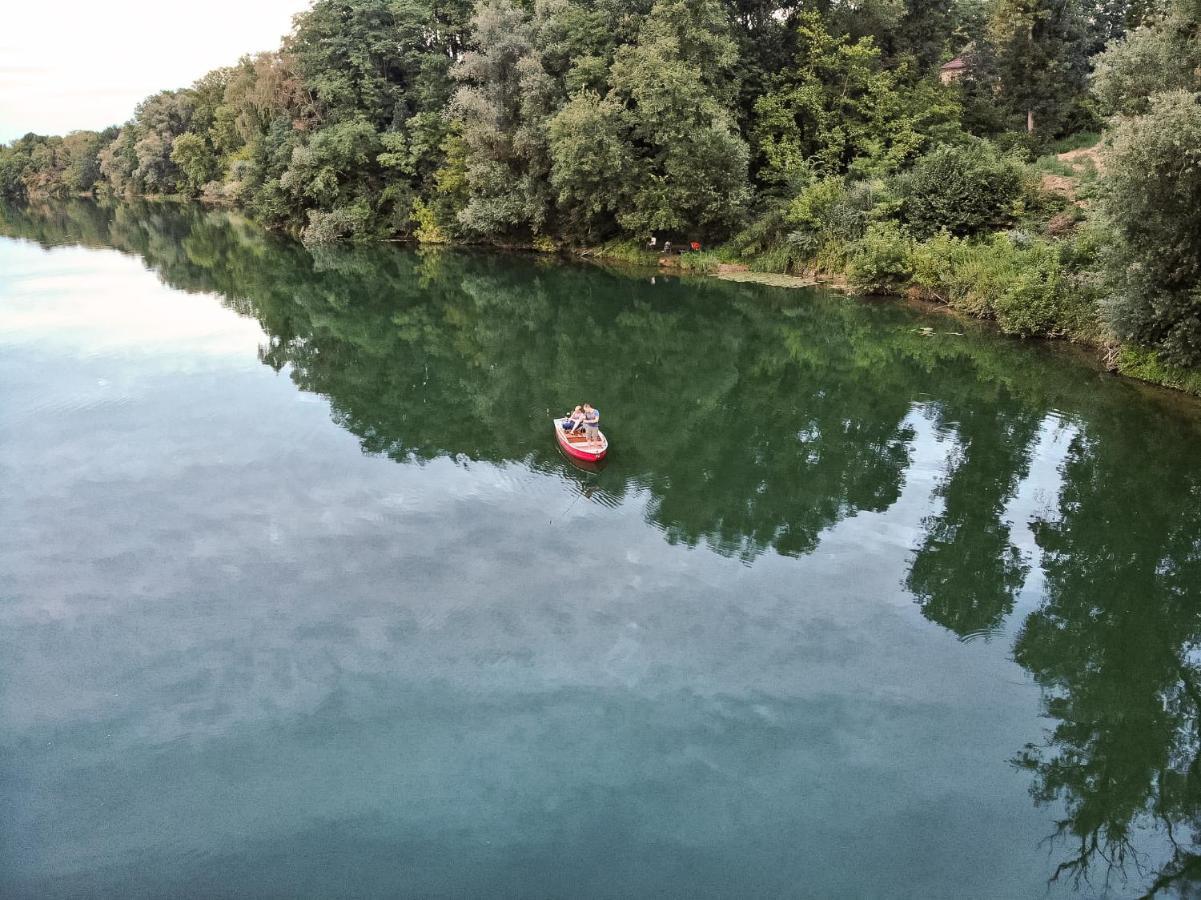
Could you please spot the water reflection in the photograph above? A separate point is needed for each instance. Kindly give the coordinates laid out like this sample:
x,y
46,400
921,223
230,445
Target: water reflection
x,y
1114,646
967,572
754,421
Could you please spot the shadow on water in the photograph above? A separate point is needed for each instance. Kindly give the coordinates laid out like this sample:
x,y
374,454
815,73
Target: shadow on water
x,y
754,420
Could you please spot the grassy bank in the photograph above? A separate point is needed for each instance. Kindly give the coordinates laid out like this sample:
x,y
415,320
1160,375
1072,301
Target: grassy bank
x,y
1039,279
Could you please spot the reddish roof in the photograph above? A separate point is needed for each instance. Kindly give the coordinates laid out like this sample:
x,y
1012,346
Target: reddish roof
x,y
957,63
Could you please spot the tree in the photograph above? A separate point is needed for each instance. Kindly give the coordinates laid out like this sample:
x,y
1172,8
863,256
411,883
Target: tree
x,y
924,31
503,106
592,164
349,54
195,160
840,104
1165,56
1153,205
83,162
1032,63
118,161
689,163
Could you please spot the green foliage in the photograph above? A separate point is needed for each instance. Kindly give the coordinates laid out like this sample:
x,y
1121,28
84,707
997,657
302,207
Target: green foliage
x,y
841,104
1030,65
881,261
35,167
1142,363
449,193
1152,201
965,189
339,224
592,164
597,121
690,165
701,261
1030,286
925,30
782,259
82,170
627,251
428,230
1033,302
323,169
1077,141
194,160
826,218
1162,57
503,108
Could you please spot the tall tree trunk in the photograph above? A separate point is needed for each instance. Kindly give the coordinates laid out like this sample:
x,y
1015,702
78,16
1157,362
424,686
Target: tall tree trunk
x,y
1030,121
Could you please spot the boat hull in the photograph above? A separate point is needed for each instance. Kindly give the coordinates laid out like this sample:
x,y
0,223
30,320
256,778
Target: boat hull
x,y
578,448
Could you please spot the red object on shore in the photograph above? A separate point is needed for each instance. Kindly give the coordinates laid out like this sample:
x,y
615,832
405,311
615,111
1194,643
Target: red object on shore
x,y
577,445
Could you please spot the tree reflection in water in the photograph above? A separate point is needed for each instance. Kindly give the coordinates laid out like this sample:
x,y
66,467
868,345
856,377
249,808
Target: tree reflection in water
x,y
753,420
1114,646
967,573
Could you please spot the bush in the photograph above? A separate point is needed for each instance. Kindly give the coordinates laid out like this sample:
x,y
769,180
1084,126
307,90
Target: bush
x,y
933,265
780,260
1032,287
965,189
343,223
980,273
1139,362
1151,60
827,216
810,209
766,230
701,261
881,262
1031,305
428,230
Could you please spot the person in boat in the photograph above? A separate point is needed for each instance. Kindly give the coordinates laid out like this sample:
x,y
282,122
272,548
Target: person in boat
x,y
592,423
575,421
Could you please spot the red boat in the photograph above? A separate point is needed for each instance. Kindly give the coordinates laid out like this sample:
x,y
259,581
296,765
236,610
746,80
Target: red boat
x,y
577,446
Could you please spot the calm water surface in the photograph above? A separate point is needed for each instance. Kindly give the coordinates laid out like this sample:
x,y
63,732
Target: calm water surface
x,y
298,598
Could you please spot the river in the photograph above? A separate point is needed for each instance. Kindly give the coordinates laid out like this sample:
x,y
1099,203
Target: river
x,y
299,598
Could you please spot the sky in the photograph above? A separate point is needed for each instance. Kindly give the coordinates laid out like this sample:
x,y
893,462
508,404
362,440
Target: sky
x,y
72,65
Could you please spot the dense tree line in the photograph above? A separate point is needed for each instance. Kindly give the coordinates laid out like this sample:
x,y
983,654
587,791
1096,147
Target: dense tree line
x,y
802,135
581,119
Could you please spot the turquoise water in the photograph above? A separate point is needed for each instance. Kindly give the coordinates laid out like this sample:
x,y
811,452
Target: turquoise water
x,y
298,597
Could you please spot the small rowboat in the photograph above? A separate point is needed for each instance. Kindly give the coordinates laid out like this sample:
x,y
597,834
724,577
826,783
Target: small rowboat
x,y
577,445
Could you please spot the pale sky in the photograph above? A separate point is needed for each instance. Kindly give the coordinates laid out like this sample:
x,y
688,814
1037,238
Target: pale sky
x,y
73,64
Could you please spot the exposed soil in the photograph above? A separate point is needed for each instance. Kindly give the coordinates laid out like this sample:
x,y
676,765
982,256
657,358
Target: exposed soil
x,y
1079,160
1059,184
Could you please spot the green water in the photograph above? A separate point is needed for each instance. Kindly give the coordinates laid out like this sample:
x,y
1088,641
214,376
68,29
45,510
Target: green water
x,y
298,597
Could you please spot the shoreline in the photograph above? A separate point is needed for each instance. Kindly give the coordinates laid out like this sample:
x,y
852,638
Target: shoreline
x,y
1130,363
1134,364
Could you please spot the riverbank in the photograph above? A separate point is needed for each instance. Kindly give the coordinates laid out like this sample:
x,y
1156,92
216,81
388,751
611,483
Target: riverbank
x,y
928,269
1041,307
